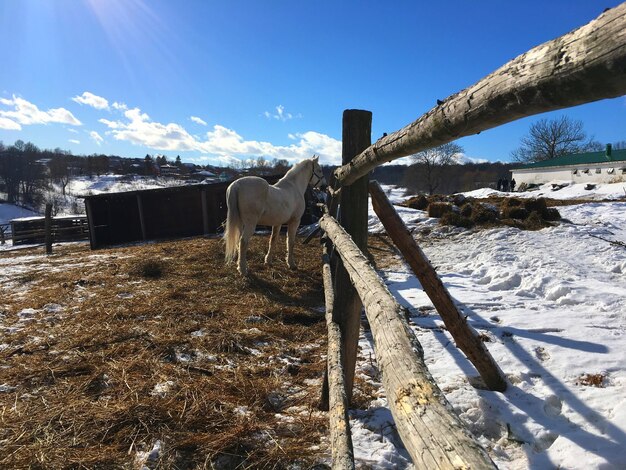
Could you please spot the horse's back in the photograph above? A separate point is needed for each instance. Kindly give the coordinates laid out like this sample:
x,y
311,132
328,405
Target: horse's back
x,y
251,195
263,204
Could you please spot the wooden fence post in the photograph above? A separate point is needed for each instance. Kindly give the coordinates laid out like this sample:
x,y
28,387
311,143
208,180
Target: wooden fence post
x,y
357,129
466,338
93,242
48,229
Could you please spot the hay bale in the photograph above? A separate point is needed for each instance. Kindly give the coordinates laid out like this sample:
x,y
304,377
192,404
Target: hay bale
x,y
484,213
418,202
536,205
514,212
511,202
438,209
459,199
466,210
456,219
534,221
552,214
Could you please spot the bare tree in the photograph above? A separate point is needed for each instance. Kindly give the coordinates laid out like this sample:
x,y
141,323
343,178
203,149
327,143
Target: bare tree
x,y
548,139
431,164
616,146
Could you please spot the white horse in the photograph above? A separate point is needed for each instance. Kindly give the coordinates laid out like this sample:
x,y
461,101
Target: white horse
x,y
252,200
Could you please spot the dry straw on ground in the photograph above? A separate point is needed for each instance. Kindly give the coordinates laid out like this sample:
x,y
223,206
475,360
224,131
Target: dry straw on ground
x,y
161,342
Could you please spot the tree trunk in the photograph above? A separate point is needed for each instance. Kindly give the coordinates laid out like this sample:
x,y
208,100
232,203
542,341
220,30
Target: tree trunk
x,y
466,338
585,65
432,434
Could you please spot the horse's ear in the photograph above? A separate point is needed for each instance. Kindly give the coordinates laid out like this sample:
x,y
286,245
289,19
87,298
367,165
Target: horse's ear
x,y
315,158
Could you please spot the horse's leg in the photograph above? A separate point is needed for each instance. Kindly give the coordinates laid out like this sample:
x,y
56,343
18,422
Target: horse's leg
x,y
292,228
273,243
246,234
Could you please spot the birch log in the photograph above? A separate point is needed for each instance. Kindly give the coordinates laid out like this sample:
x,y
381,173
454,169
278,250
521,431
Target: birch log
x,y
340,435
585,65
430,430
466,338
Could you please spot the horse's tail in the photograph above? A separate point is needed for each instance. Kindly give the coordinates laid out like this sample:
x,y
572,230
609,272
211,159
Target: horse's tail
x,y
232,231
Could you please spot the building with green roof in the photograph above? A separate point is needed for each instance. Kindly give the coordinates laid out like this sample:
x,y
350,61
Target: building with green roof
x,y
608,166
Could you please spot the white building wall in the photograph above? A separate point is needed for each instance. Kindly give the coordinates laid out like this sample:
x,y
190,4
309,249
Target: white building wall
x,y
593,173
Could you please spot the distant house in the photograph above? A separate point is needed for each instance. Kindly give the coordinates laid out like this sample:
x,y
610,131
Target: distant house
x,y
608,166
169,170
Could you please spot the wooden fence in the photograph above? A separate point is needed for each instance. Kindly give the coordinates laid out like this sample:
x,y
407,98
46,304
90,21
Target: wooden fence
x,y
62,229
585,65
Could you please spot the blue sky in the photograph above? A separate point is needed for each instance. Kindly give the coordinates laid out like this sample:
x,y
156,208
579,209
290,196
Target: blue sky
x,y
211,81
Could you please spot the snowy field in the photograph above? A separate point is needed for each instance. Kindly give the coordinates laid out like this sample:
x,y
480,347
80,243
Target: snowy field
x,y
551,304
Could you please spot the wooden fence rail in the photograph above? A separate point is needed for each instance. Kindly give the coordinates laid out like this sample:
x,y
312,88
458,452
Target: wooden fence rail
x,y
432,433
466,338
340,434
585,65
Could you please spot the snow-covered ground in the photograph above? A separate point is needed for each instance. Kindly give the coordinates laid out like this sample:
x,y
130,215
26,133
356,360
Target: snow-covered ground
x,y
9,212
553,306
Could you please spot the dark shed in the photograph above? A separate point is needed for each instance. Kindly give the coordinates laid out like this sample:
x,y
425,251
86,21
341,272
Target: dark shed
x,y
153,214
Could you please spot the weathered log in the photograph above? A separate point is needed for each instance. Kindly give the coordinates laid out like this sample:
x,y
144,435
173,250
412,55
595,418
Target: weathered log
x,y
432,433
585,65
340,435
467,340
356,136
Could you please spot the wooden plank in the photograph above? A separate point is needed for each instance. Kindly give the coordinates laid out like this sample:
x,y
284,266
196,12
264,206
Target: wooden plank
x,y
142,219
467,340
432,433
340,435
205,211
48,229
585,65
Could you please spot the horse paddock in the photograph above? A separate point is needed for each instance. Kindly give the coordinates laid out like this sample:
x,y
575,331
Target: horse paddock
x,y
161,354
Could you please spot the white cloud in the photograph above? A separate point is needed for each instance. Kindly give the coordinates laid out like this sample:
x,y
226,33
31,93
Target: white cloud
x,y
198,120
27,113
110,124
280,114
10,125
97,138
120,106
73,131
220,142
74,141
463,159
92,100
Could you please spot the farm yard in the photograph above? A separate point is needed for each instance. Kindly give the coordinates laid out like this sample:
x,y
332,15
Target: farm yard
x,y
160,355
474,329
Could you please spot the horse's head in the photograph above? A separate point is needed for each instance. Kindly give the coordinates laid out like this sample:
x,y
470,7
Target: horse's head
x,y
317,175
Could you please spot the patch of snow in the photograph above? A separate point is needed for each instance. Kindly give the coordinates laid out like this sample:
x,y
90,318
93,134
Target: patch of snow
x,y
553,305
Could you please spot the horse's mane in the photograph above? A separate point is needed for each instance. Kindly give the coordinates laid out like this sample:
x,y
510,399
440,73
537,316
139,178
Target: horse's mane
x,y
294,169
